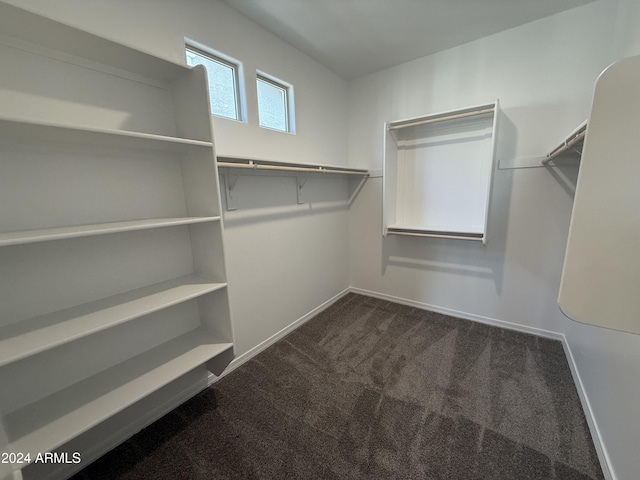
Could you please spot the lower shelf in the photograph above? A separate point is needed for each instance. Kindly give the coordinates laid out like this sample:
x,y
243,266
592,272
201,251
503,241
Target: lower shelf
x,y
420,232
29,337
54,420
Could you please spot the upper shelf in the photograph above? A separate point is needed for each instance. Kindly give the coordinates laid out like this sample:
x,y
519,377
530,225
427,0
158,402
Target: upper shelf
x,y
60,233
235,162
32,132
29,337
573,141
50,34
488,109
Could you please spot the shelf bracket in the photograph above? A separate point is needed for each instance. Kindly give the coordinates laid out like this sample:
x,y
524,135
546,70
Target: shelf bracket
x,y
229,185
577,150
301,180
357,189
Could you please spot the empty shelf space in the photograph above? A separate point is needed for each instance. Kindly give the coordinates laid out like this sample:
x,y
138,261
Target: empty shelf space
x,y
29,337
50,422
483,110
60,233
31,131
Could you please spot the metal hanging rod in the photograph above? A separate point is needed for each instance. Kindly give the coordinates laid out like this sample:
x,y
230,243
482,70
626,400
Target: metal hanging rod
x,y
291,168
576,138
431,234
442,118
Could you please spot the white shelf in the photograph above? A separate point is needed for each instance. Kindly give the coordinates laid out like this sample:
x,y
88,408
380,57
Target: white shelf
x,y
256,164
465,113
267,167
29,337
60,233
12,129
121,143
48,423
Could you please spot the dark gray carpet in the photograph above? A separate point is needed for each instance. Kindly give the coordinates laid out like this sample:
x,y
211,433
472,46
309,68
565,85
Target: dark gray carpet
x,y
372,390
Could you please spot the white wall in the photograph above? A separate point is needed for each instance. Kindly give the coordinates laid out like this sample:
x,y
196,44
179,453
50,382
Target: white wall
x,y
543,73
543,96
626,39
283,259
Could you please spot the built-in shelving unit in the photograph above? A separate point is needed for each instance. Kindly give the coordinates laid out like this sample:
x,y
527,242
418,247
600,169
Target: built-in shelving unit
x,y
111,241
572,143
601,271
232,166
438,172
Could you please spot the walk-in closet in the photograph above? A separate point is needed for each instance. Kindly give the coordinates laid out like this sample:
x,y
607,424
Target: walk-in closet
x,y
274,239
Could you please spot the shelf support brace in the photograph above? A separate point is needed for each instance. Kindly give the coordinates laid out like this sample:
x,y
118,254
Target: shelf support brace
x,y
229,185
577,150
300,180
358,188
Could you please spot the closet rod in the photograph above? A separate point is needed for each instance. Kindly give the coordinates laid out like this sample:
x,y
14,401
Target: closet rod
x,y
442,118
434,235
568,144
257,166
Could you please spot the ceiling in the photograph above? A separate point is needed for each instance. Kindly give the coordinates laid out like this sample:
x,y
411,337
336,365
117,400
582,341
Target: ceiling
x,y
356,37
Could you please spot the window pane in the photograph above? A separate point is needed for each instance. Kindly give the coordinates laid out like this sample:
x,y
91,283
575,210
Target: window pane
x,y
222,84
272,106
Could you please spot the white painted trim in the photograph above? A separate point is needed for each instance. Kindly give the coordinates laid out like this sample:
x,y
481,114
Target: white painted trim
x,y
274,338
459,314
601,450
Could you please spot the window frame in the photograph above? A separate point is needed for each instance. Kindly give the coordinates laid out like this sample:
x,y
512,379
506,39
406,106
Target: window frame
x,y
289,110
227,61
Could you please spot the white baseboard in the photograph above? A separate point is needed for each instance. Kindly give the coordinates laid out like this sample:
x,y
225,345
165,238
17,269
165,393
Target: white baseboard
x,y
459,314
601,450
277,336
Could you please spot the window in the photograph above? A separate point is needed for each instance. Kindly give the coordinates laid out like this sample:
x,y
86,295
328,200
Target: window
x,y
223,75
275,104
